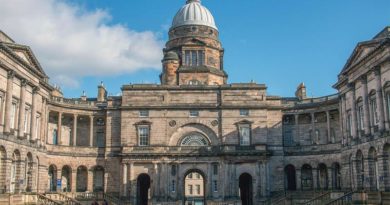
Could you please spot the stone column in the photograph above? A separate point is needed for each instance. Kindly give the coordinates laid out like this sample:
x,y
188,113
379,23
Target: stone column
x,y
341,119
379,98
298,179
366,111
344,106
33,128
74,133
315,178
313,128
209,185
296,128
257,189
328,126
91,133
73,180
90,181
381,173
8,102
353,110
59,128
124,180
130,180
22,108
330,178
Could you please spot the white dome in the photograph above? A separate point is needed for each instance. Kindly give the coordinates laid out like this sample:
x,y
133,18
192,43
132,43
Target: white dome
x,y
193,13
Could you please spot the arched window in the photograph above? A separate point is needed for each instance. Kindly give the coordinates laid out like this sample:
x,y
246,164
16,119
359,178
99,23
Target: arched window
x,y
194,139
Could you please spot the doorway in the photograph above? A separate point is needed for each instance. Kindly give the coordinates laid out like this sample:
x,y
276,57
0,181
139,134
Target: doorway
x,y
143,186
246,189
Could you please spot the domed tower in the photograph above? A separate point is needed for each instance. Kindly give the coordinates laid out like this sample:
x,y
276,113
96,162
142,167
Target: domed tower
x,y
193,54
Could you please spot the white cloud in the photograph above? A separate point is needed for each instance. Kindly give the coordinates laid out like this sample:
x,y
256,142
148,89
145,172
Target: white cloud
x,y
71,42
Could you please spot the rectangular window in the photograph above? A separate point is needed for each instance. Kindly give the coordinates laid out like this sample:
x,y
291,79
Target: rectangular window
x,y
201,58
173,186
361,117
26,120
198,189
190,190
215,169
187,60
190,176
388,104
194,58
349,123
13,114
143,135
244,112
144,113
215,185
244,132
194,113
374,111
37,127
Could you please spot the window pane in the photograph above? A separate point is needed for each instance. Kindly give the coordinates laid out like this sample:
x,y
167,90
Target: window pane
x,y
144,113
187,59
244,112
244,135
194,113
194,58
143,133
201,58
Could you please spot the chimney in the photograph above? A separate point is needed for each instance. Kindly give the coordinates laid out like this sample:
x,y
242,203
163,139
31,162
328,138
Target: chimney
x,y
102,93
301,92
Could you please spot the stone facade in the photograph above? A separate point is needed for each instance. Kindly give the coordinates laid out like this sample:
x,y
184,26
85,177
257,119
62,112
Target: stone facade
x,y
245,144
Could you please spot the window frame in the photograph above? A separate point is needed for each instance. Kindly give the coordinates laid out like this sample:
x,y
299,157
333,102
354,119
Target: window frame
x,y
143,113
140,141
248,125
244,112
191,113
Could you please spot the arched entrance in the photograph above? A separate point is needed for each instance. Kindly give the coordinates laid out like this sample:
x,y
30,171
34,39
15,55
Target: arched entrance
x,y
52,178
306,177
372,169
386,166
143,186
15,172
336,176
3,168
359,169
194,188
29,172
322,176
81,179
66,179
290,177
98,179
246,189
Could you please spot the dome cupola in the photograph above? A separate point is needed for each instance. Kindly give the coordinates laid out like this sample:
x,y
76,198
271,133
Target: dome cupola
x,y
193,13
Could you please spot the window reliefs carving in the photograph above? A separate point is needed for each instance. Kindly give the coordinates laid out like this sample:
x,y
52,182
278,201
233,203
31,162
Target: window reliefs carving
x,y
194,139
143,133
244,129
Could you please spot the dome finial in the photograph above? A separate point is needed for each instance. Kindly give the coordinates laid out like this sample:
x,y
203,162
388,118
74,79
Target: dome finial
x,y
192,1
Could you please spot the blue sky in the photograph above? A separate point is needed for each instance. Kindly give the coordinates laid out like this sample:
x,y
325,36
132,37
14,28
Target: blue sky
x,y
280,43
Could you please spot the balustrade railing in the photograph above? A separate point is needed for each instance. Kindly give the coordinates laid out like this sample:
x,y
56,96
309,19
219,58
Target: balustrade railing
x,y
319,200
47,201
346,199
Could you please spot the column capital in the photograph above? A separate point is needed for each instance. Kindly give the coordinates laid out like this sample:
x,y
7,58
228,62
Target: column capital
x,y
351,86
35,89
23,82
10,74
362,79
377,70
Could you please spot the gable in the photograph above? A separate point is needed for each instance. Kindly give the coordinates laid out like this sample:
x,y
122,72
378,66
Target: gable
x,y
360,52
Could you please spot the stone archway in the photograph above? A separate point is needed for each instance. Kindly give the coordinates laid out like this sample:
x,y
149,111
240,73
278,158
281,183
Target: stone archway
x,y
143,187
322,176
372,169
52,178
246,189
290,176
194,188
81,179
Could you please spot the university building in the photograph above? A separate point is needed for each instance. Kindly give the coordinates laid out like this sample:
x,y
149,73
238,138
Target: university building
x,y
195,138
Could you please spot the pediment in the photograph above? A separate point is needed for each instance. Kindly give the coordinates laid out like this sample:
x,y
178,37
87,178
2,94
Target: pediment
x,y
360,52
25,54
195,41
